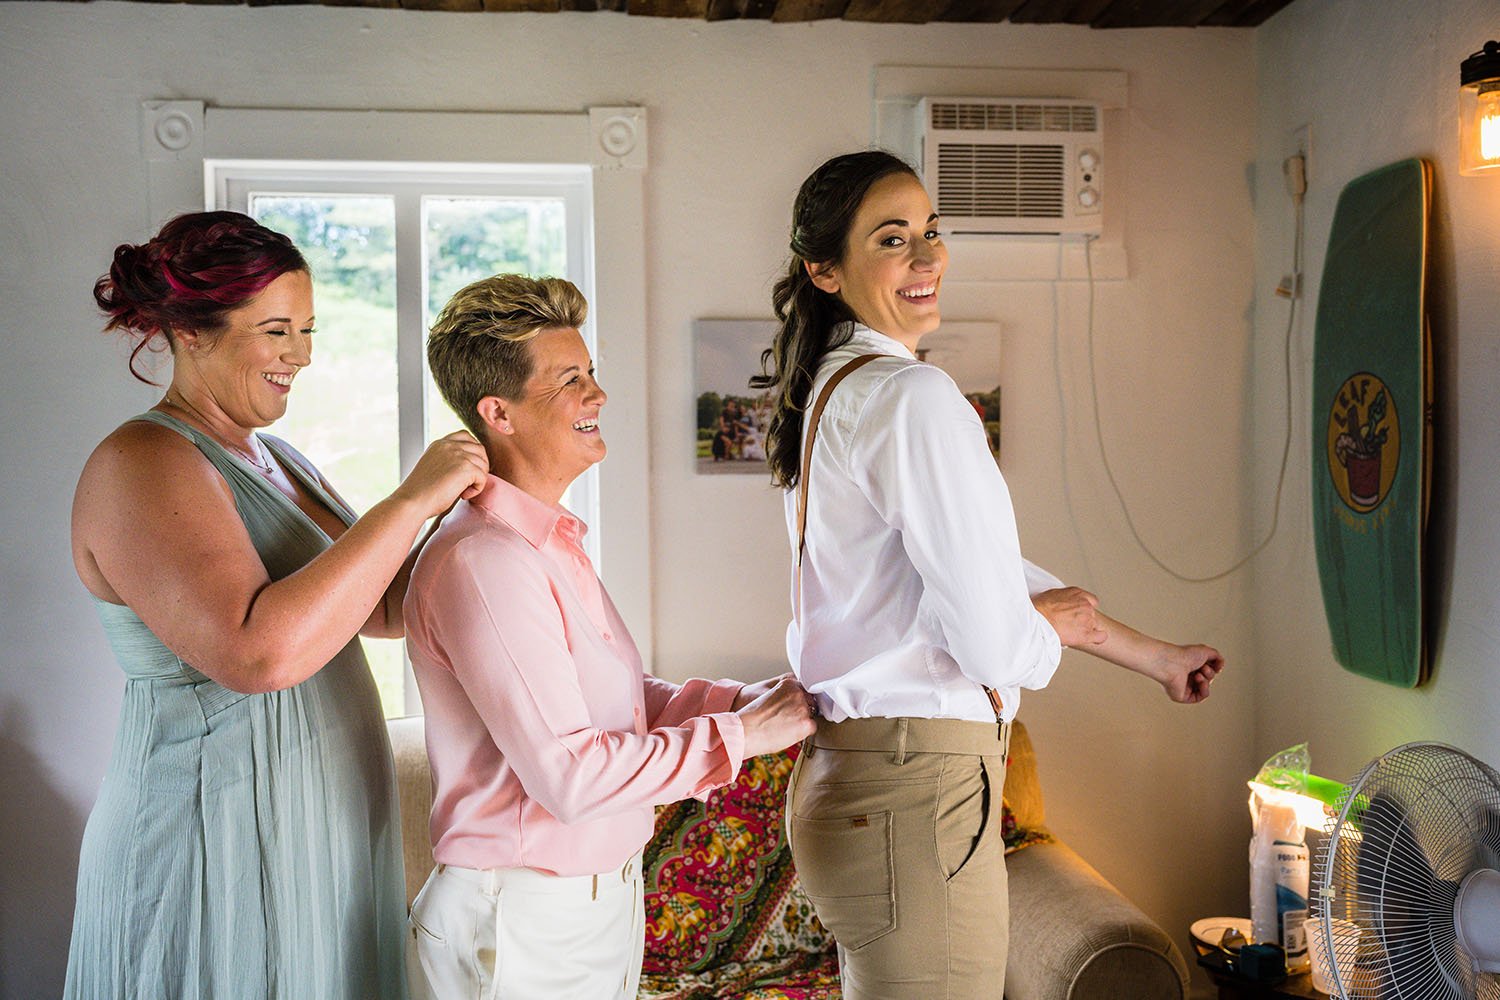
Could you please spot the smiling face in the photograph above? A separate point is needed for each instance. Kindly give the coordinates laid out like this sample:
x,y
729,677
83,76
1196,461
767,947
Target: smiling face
x,y
893,261
244,374
551,433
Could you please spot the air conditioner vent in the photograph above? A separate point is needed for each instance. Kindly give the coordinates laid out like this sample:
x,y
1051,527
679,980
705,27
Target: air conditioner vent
x,y
1011,117
1007,165
1001,181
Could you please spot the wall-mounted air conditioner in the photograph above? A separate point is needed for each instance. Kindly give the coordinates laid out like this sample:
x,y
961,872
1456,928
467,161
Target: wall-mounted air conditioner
x,y
1013,165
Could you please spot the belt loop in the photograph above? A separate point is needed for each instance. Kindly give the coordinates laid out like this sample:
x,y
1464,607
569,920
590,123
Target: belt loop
x,y
900,757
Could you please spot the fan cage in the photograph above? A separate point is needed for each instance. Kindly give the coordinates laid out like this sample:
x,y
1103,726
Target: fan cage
x,y
1410,828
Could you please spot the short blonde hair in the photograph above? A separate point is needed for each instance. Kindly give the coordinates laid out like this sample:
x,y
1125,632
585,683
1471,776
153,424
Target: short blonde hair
x,y
477,346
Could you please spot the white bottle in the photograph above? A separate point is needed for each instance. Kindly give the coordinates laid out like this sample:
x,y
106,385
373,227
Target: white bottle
x,y
1279,883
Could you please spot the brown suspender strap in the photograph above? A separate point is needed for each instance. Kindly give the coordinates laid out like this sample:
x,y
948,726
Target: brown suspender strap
x,y
813,416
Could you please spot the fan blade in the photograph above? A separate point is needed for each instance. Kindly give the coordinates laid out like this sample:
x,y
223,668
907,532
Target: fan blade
x,y
1396,883
1487,837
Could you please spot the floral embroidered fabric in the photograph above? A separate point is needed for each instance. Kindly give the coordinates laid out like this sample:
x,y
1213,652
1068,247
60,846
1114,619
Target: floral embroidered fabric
x,y
725,913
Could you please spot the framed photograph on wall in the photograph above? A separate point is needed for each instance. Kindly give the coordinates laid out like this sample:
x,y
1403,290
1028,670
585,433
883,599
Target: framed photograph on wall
x,y
731,417
731,420
970,353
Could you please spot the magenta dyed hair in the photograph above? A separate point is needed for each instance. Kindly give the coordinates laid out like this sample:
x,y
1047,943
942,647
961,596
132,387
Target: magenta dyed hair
x,y
190,276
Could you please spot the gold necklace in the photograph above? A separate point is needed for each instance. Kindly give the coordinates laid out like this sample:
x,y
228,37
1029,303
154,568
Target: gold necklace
x,y
262,465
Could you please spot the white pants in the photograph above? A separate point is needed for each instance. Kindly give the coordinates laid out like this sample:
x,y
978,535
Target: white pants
x,y
521,934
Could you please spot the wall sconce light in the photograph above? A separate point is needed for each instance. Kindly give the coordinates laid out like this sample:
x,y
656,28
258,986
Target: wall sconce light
x,y
1479,112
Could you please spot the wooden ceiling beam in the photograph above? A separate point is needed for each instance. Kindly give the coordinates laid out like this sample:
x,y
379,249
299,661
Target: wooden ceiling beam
x,y
748,10
516,6
668,8
1098,13
809,10
1155,13
1057,11
979,11
893,11
1242,13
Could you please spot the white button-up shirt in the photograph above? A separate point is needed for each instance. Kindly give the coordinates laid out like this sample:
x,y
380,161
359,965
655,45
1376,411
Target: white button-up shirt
x,y
914,591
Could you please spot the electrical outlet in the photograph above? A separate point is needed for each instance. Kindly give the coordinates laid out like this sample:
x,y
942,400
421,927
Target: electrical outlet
x,y
1300,143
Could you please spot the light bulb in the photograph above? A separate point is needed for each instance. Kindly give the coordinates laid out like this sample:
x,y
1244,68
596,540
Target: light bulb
x,y
1489,122
1479,112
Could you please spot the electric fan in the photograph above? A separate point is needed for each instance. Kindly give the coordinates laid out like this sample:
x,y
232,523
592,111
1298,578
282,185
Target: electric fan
x,y
1407,887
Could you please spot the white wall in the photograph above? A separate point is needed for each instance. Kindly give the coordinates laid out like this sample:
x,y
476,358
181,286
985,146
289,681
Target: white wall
x,y
740,112
1378,82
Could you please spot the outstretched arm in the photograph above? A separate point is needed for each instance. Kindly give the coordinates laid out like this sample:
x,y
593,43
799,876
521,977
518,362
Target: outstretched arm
x,y
1185,672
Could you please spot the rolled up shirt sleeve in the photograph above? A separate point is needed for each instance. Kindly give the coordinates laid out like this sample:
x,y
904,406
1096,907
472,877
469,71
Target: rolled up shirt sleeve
x,y
925,467
506,642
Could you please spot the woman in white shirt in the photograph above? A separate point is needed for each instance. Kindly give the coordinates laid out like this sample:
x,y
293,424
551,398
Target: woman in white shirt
x,y
917,621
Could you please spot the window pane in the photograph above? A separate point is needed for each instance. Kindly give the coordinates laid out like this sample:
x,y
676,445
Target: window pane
x,y
342,412
468,238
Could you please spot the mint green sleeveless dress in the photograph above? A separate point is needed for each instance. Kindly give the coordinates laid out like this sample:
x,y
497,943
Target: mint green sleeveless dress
x,y
243,847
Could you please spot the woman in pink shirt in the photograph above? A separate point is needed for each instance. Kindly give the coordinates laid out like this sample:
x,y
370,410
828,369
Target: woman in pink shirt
x,y
549,744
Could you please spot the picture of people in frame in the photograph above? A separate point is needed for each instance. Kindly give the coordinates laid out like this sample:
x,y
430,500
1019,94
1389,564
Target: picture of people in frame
x,y
731,419
731,424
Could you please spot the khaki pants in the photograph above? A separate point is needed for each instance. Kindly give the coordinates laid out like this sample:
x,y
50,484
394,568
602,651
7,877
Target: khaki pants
x,y
894,826
520,934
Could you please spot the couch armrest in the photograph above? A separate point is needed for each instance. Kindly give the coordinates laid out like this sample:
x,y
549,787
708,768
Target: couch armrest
x,y
1073,936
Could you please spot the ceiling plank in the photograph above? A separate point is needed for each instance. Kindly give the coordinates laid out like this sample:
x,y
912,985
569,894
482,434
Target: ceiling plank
x,y
728,10
1097,13
667,8
809,10
1058,11
455,5
979,11
1155,13
1243,13
894,11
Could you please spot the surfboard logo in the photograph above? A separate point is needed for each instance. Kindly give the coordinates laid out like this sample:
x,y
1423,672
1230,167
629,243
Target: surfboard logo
x,y
1364,442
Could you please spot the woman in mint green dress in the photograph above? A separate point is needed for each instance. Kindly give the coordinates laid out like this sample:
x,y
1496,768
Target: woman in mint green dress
x,y
245,843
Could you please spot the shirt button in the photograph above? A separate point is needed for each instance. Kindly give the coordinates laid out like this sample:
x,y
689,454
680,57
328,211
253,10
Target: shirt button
x,y
609,637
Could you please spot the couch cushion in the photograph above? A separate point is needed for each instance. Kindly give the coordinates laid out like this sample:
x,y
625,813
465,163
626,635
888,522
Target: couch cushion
x,y
720,886
1023,789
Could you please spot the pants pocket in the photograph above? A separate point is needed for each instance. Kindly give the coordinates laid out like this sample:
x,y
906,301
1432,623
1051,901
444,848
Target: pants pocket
x,y
964,809
847,869
420,928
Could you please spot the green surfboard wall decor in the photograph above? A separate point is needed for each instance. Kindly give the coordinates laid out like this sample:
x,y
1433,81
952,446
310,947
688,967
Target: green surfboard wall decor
x,y
1371,423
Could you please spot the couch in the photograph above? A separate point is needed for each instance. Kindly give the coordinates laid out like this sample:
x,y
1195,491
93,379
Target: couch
x,y
726,917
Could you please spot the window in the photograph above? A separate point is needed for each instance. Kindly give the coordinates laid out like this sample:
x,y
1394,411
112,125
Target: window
x,y
388,245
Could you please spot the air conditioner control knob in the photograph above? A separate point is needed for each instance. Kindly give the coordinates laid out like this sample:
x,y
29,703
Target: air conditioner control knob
x,y
1088,160
1088,197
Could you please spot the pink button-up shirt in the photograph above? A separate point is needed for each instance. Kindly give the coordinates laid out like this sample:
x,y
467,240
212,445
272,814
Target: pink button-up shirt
x,y
549,745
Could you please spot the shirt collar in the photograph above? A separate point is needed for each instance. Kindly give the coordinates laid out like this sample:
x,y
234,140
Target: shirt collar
x,y
864,337
534,520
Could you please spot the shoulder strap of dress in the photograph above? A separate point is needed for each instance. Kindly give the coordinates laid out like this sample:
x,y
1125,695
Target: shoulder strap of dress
x,y
168,421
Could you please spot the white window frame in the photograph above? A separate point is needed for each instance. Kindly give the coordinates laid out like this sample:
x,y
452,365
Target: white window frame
x,y
178,136
231,183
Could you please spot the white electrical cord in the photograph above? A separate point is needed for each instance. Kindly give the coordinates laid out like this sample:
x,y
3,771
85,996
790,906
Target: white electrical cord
x,y
1286,443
